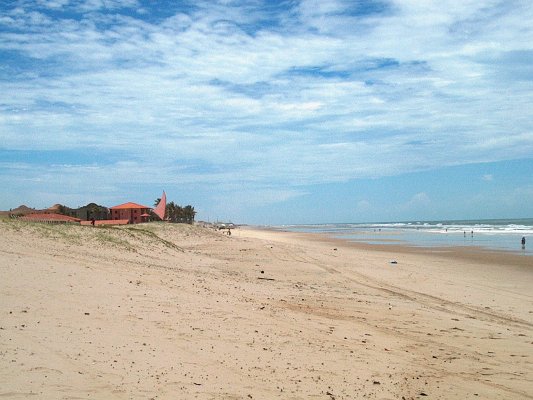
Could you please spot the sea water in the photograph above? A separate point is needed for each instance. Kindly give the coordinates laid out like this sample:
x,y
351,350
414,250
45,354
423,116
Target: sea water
x,y
497,234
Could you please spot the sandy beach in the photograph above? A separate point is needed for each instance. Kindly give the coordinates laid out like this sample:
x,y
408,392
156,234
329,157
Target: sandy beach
x,y
172,311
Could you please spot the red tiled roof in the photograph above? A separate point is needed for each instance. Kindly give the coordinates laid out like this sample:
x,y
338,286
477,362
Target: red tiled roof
x,y
107,222
44,217
128,206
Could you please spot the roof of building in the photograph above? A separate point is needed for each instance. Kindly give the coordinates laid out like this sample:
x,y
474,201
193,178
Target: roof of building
x,y
107,222
48,217
128,206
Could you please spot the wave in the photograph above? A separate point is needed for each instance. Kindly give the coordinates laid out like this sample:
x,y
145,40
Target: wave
x,y
522,226
494,234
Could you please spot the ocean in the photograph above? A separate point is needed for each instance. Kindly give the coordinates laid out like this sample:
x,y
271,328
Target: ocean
x,y
493,234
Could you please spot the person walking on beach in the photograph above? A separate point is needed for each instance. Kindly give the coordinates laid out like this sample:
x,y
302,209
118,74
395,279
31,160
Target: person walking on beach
x,y
523,242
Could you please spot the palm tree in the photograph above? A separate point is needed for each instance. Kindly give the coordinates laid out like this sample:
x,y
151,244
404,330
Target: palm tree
x,y
176,213
189,214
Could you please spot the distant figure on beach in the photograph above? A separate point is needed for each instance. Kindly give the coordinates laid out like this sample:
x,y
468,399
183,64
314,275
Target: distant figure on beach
x,y
472,233
464,233
523,242
93,222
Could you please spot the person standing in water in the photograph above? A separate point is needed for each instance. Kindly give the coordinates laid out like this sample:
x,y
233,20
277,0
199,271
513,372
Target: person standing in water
x,y
523,242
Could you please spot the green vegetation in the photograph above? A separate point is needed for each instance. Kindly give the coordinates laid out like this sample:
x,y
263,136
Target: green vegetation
x,y
108,236
131,238
152,235
91,210
68,232
176,213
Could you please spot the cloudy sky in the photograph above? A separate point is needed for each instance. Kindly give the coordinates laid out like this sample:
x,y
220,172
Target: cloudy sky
x,y
270,111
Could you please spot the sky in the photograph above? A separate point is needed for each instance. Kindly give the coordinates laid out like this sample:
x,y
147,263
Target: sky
x,y
270,112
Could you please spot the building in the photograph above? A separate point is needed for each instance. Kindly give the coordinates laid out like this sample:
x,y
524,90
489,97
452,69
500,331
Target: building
x,y
50,218
109,222
133,212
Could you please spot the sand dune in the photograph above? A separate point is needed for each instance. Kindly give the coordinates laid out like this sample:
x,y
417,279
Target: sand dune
x,y
168,311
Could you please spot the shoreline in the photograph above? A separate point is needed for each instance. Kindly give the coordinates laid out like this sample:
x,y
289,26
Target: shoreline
x,y
508,235
472,253
175,311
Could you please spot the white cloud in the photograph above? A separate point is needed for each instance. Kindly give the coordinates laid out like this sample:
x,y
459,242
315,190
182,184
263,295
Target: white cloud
x,y
363,206
94,5
326,96
53,4
418,200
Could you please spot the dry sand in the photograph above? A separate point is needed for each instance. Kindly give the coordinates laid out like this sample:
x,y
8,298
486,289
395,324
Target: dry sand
x,y
162,311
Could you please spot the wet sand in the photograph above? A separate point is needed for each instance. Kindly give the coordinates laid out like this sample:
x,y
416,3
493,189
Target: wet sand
x,y
168,311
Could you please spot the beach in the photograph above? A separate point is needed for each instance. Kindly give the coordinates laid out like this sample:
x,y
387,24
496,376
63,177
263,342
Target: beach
x,y
174,311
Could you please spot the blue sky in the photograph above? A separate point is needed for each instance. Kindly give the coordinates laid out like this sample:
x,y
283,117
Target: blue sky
x,y
270,112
